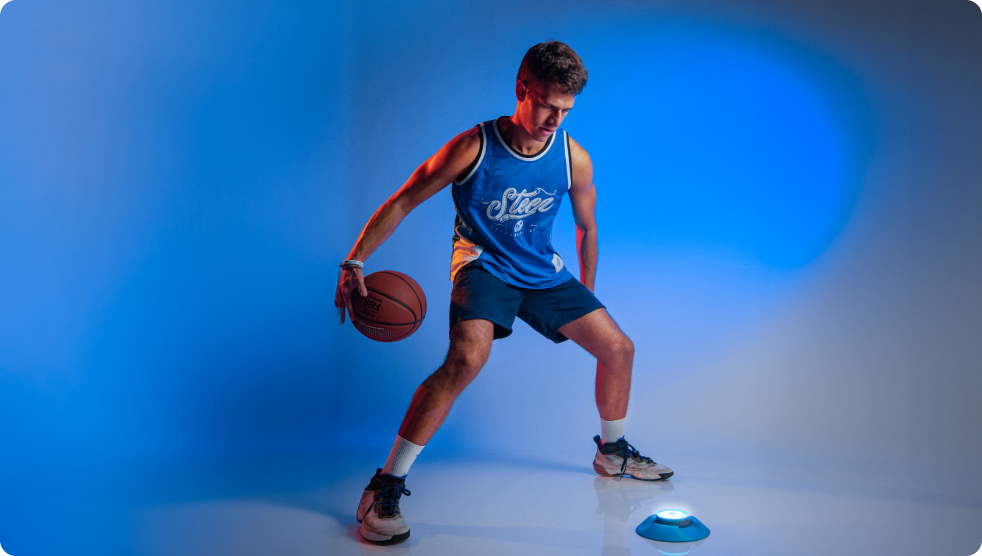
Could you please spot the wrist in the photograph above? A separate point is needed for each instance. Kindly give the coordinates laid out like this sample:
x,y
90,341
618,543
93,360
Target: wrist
x,y
351,263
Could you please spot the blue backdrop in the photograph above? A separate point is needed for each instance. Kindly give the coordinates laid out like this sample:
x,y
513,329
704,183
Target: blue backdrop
x,y
788,211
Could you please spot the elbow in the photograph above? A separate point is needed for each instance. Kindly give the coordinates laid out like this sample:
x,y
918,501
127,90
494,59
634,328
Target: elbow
x,y
401,205
586,230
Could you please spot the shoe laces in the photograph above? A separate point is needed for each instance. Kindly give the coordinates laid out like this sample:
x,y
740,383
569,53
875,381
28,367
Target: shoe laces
x,y
387,498
630,451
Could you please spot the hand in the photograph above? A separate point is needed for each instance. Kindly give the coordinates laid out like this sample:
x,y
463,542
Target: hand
x,y
351,279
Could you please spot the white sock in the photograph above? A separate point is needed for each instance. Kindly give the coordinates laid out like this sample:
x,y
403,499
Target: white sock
x,y
401,457
611,431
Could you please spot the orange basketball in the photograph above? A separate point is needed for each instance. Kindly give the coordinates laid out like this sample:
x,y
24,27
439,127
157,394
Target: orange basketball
x,y
393,309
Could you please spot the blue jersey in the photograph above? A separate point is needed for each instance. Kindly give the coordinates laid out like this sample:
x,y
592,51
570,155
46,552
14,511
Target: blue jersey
x,y
505,208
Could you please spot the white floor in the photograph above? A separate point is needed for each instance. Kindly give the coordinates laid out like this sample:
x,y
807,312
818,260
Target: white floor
x,y
524,502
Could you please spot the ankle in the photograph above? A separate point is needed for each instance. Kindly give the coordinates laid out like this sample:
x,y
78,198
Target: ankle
x,y
611,431
401,458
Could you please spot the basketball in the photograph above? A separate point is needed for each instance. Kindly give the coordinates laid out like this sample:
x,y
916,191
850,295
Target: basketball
x,y
393,309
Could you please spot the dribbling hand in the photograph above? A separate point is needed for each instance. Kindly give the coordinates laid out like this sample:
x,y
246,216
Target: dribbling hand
x,y
350,279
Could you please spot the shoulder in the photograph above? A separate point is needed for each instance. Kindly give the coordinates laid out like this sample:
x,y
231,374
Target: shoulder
x,y
466,146
455,156
580,163
577,153
462,152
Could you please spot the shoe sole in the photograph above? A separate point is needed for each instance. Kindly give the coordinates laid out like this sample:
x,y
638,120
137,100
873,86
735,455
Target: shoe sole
x,y
381,539
603,473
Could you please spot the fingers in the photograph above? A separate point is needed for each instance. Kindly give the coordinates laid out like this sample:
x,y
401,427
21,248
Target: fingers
x,y
339,301
347,304
361,283
341,296
351,279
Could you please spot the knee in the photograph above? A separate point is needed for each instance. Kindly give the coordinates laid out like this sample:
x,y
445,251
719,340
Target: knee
x,y
621,351
465,367
459,370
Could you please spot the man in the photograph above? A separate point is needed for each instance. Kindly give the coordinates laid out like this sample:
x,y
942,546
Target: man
x,y
508,179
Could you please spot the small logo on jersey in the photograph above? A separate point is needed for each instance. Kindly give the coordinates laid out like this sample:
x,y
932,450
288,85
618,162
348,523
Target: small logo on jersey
x,y
518,226
515,206
557,261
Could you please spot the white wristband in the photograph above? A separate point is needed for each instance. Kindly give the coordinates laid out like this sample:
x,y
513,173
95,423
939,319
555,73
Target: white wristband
x,y
352,264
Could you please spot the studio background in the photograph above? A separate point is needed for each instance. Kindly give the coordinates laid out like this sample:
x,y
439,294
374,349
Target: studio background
x,y
789,211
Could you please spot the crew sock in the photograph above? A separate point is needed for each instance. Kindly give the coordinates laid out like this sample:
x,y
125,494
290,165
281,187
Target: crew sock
x,y
401,457
611,431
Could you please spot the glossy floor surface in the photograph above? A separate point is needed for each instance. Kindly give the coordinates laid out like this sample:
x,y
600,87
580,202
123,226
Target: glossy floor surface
x,y
503,503
535,504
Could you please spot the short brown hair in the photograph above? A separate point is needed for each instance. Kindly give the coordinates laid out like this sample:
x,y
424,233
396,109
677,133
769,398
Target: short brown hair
x,y
556,62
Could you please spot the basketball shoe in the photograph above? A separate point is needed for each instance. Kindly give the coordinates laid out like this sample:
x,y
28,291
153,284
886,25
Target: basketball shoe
x,y
378,511
620,459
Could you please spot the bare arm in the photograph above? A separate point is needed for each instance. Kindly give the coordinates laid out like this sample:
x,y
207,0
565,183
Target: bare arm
x,y
433,175
583,196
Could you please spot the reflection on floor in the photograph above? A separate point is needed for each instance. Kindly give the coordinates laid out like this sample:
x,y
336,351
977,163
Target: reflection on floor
x,y
506,503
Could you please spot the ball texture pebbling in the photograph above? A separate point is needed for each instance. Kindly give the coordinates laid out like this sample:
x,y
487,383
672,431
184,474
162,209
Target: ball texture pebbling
x,y
393,309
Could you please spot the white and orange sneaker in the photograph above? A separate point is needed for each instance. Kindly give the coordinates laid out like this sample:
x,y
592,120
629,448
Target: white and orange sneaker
x,y
620,459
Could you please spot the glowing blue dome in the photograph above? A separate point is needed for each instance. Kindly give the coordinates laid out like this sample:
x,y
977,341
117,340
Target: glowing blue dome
x,y
672,526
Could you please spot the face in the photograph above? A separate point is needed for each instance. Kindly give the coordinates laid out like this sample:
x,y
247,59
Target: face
x,y
542,111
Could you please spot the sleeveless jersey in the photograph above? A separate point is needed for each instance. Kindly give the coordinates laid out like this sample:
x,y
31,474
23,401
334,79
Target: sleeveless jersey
x,y
505,208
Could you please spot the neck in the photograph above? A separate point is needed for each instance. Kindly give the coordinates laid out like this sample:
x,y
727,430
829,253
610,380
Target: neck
x,y
518,139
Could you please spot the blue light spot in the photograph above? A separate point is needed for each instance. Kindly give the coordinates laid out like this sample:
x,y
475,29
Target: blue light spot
x,y
736,143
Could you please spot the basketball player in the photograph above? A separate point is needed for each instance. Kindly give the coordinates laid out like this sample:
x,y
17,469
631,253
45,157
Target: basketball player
x,y
507,177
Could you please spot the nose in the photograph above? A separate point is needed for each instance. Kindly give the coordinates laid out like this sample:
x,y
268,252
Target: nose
x,y
556,118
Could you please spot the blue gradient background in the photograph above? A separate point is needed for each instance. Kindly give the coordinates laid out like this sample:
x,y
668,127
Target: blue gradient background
x,y
788,207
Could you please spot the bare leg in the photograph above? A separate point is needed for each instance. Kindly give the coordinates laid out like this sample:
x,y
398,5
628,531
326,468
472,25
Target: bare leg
x,y
470,345
599,335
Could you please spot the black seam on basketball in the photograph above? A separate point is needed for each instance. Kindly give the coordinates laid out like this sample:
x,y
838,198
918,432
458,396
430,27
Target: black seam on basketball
x,y
391,338
378,339
407,307
421,308
384,324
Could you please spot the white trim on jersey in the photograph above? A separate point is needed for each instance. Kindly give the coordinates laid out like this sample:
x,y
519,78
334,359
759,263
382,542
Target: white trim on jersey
x,y
552,139
480,157
569,167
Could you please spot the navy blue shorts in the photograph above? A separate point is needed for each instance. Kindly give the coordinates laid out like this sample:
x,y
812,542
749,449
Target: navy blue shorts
x,y
477,294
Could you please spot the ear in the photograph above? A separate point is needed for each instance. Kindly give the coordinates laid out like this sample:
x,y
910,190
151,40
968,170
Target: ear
x,y
520,90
